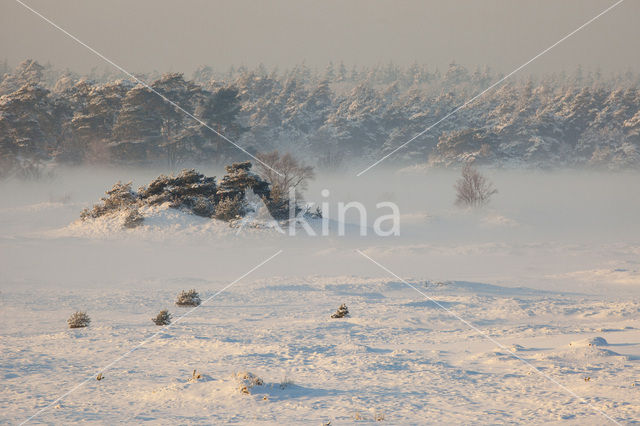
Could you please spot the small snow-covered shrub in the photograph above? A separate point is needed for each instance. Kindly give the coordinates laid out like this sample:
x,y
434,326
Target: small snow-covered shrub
x,y
163,318
188,298
78,320
230,208
247,381
342,312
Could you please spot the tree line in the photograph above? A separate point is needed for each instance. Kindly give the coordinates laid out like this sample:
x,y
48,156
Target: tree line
x,y
330,118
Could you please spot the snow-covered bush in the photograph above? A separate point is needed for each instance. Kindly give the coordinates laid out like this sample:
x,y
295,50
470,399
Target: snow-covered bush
x,y
473,189
230,208
133,219
202,206
118,198
79,319
188,298
163,318
342,312
188,191
247,381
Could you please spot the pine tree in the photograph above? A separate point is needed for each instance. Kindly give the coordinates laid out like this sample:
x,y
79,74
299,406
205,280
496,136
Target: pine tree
x,y
138,126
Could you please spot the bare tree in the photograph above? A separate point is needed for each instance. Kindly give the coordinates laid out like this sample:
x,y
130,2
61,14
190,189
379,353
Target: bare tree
x,y
293,174
473,189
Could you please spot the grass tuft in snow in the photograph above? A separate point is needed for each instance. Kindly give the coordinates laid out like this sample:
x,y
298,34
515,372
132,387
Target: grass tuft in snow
x,y
195,376
285,382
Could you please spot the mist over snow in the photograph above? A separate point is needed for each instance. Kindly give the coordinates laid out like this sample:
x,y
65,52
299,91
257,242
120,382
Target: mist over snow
x,y
409,240
549,263
562,221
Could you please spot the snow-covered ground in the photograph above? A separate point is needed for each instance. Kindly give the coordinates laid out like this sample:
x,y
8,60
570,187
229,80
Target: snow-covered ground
x,y
546,279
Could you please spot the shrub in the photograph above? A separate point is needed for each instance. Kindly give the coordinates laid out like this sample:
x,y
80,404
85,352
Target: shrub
x,y
163,318
230,208
202,206
188,298
118,198
342,312
248,381
189,189
194,193
473,189
133,219
78,320
278,204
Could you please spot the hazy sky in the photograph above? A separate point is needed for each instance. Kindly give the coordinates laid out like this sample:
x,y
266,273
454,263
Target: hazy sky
x,y
180,35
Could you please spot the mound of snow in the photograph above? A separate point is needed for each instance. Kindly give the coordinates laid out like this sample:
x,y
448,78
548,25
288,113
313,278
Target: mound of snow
x,y
160,222
594,341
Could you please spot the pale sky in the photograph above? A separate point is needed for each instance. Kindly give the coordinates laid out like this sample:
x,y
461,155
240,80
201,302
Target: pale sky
x,y
166,35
